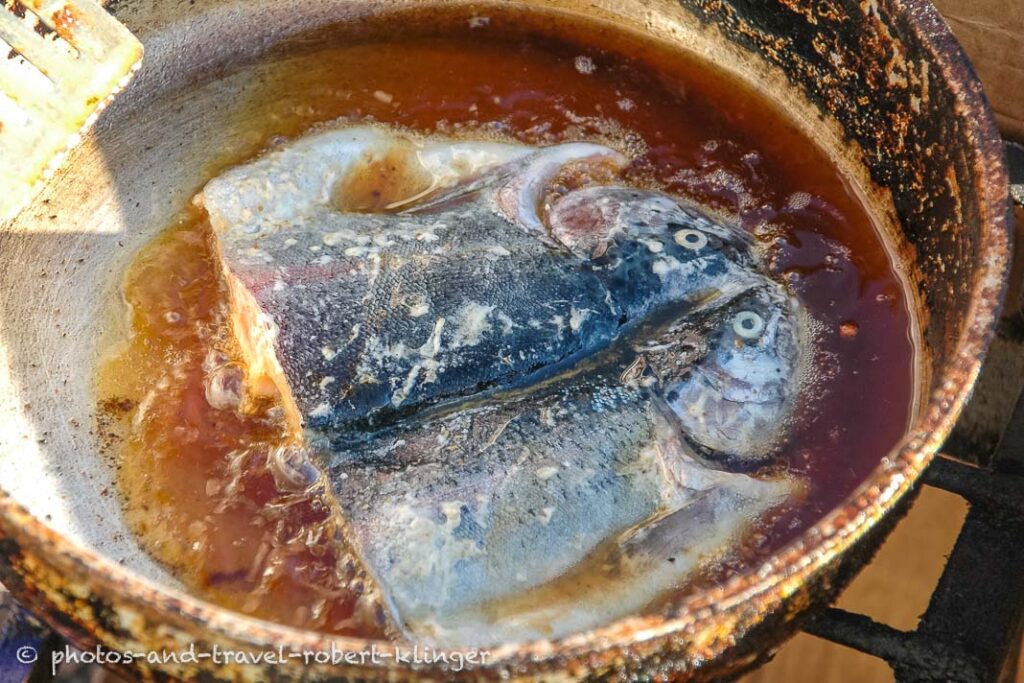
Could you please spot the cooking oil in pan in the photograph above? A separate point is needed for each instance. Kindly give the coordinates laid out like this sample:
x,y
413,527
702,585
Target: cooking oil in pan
x,y
422,507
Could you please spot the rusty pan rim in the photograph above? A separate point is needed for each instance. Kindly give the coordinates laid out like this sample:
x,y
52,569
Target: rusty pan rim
x,y
707,623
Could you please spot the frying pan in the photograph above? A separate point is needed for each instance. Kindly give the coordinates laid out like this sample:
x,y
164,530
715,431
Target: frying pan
x,y
881,83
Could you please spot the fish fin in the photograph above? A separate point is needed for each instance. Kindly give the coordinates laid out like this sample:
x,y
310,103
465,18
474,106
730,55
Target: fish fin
x,y
521,198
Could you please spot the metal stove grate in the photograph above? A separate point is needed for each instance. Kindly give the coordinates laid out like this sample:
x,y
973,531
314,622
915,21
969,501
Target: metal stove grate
x,y
971,630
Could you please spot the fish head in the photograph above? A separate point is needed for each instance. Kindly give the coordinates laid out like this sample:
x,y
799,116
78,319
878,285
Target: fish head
x,y
653,249
590,220
735,404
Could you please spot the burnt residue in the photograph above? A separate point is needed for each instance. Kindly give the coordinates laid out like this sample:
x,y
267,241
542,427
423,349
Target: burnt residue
x,y
893,77
65,22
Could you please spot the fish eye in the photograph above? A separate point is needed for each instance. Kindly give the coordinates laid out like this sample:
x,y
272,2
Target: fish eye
x,y
748,325
691,239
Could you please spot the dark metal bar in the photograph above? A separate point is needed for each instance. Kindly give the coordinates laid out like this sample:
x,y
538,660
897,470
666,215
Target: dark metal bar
x,y
1015,166
972,628
976,485
900,649
979,603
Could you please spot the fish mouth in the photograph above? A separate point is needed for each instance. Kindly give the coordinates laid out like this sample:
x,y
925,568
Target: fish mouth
x,y
700,307
716,298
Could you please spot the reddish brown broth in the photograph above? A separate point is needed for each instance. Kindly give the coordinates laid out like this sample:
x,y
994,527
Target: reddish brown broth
x,y
218,518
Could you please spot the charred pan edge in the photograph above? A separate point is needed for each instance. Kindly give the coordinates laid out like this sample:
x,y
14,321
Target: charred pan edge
x,y
872,66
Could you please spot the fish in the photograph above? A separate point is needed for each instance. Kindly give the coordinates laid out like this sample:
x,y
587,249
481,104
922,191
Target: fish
x,y
541,397
737,403
360,318
520,519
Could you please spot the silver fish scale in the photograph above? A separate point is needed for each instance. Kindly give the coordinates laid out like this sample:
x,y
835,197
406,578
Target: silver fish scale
x,y
521,479
483,507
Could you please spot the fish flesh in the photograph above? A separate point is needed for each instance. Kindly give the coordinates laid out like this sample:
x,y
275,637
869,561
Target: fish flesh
x,y
526,381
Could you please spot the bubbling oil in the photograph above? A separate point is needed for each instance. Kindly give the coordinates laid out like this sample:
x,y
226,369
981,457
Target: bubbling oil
x,y
212,493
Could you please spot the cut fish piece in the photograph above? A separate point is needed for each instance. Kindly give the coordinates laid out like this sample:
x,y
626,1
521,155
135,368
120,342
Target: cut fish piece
x,y
540,517
360,318
313,175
